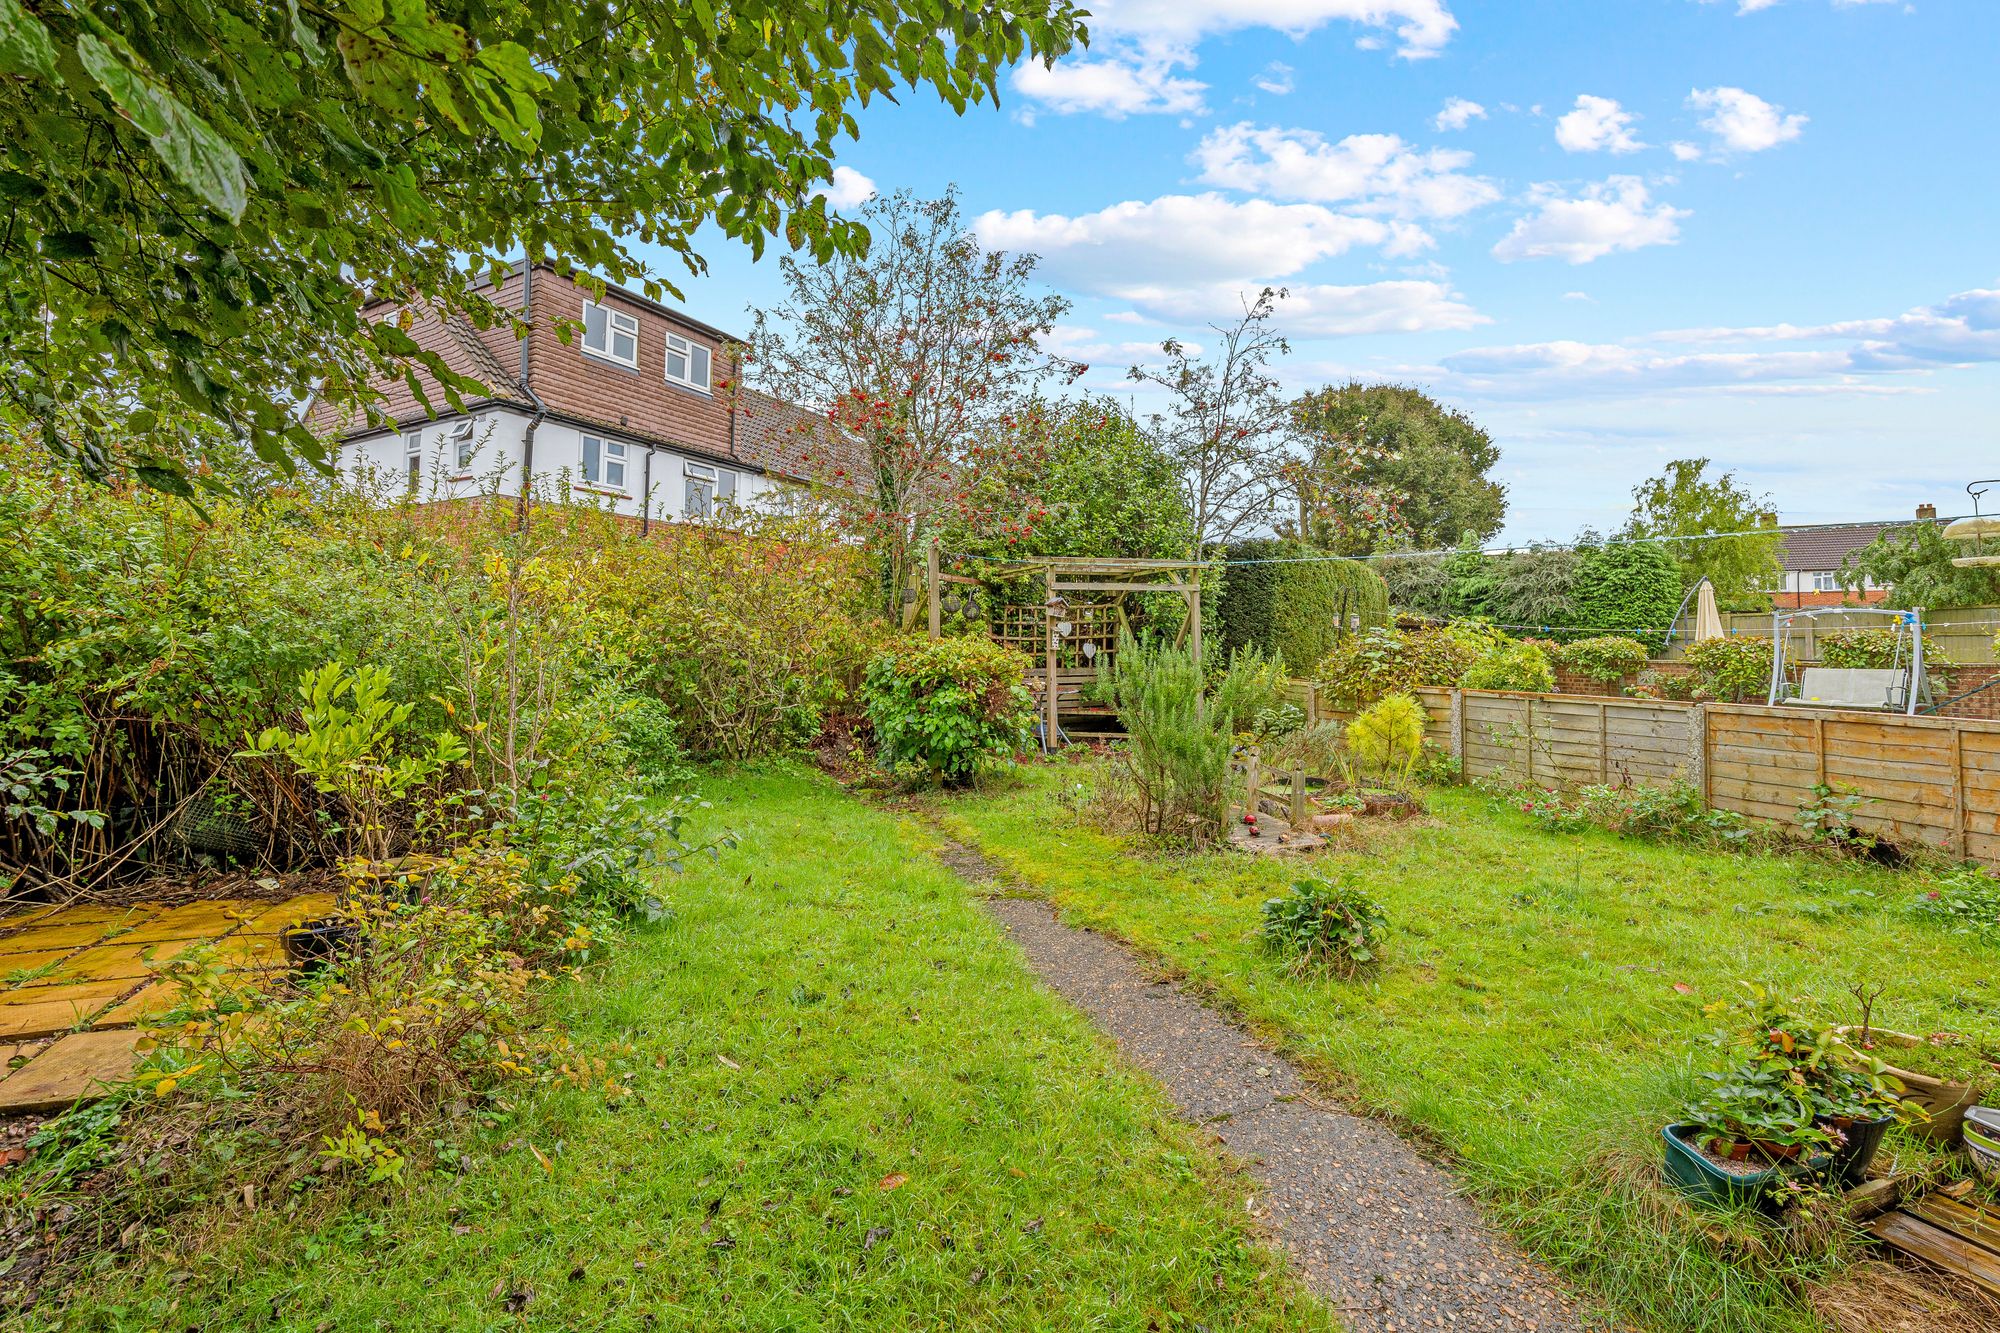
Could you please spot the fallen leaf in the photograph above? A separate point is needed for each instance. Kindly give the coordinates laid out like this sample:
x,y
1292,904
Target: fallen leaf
x,y
875,1236
517,1300
1683,988
1033,1228
895,1180
546,1164
723,1059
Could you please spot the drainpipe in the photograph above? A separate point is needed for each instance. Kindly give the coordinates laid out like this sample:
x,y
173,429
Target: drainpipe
x,y
646,495
736,389
541,408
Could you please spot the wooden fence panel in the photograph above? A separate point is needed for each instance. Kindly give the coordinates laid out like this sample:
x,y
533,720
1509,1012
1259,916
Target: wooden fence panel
x,y
1924,779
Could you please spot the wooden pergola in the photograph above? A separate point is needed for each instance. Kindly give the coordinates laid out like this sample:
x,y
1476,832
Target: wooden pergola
x,y
1074,631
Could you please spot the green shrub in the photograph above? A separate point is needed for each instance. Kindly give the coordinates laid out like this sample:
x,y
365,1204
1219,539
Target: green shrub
x,y
942,711
1299,606
1732,668
1605,658
1510,664
1379,662
1876,649
1628,588
1323,924
1388,736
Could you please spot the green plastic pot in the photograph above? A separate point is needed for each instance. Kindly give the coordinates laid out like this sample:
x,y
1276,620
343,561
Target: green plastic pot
x,y
1703,1181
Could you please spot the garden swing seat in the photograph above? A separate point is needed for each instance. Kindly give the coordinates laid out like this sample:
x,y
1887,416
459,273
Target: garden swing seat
x,y
1851,687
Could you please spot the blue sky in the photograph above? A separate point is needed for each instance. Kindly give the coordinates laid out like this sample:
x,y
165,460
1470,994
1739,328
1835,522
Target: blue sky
x,y
1765,231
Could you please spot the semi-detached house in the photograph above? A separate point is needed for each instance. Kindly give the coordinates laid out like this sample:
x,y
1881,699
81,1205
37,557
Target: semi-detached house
x,y
637,410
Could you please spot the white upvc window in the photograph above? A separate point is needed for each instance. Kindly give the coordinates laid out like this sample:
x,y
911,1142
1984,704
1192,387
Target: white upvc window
x,y
687,362
708,488
604,463
611,334
464,447
1825,580
413,458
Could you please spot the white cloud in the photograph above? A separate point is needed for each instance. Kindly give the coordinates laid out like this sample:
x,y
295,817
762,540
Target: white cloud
x,y
1421,27
1684,151
1275,78
1608,216
1373,173
1580,296
1959,332
850,189
1598,124
1743,122
1753,6
1198,239
1458,112
1115,86
1321,310
1147,46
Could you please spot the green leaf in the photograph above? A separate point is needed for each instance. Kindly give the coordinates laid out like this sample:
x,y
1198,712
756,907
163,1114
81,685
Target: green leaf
x,y
25,47
198,157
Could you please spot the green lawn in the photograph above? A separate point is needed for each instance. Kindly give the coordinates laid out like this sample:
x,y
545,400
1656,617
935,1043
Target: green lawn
x,y
1527,1015
854,1111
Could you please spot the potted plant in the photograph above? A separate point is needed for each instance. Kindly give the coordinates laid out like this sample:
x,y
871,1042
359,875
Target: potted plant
x,y
1856,1100
1747,1136
1937,1076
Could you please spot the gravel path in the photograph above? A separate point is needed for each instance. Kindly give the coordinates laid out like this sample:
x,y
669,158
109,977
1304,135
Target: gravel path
x,y
1374,1229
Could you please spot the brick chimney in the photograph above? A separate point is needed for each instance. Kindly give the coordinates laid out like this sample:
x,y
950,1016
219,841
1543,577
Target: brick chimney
x,y
1928,513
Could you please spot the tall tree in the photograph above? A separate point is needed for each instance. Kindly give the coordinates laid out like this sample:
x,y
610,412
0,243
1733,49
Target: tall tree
x,y
923,357
199,195
1226,422
1685,501
1914,563
1388,466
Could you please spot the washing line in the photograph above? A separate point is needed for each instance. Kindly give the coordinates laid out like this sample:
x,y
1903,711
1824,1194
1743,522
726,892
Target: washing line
x,y
1484,551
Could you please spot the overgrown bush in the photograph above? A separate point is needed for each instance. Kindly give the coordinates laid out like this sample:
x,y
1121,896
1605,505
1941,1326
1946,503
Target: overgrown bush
x,y
1385,661
1732,668
1324,924
1672,813
1653,683
1510,664
1298,604
1603,658
943,711
1388,737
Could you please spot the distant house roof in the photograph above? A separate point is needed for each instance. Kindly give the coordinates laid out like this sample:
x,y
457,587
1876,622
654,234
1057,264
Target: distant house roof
x,y
1826,546
782,437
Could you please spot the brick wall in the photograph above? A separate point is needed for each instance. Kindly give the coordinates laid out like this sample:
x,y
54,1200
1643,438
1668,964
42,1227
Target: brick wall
x,y
1985,705
1568,682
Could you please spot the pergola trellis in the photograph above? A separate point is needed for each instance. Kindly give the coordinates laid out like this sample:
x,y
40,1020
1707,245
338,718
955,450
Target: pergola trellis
x,y
1073,633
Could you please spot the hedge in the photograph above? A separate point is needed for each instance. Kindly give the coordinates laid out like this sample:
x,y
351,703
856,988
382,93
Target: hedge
x,y
1300,609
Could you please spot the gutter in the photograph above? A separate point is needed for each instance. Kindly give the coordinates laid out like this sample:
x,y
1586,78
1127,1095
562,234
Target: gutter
x,y
541,408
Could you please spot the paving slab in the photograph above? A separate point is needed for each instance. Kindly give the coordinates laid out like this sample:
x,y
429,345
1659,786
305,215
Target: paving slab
x,y
47,1018
1370,1224
72,1068
53,935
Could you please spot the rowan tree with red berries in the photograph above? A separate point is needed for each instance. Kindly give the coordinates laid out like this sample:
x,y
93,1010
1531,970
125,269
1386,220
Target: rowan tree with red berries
x,y
920,361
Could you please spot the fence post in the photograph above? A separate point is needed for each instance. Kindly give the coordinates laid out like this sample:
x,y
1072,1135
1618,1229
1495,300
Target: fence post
x,y
1458,730
1958,832
1604,742
1531,740
1819,751
1698,737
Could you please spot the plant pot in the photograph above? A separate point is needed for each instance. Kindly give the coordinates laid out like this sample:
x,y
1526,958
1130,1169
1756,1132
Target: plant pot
x,y
312,945
1863,1138
1943,1101
1982,1139
1705,1182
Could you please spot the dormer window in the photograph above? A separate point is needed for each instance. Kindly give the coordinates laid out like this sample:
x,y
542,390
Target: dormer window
x,y
611,334
687,363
